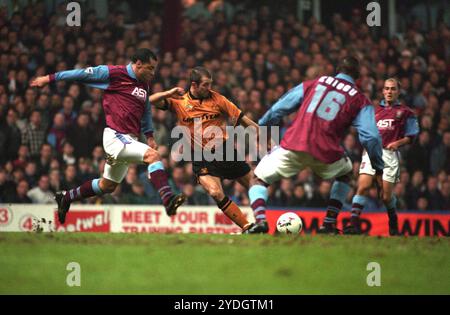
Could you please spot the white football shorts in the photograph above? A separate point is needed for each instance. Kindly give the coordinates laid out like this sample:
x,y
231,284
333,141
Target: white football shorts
x,y
282,163
121,149
391,171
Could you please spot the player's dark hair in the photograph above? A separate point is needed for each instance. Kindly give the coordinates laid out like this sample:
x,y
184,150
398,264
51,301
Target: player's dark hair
x,y
197,73
349,65
144,55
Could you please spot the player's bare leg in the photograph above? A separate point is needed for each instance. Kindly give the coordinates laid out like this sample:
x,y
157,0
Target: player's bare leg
x,y
95,187
158,177
390,202
213,187
338,194
258,198
358,202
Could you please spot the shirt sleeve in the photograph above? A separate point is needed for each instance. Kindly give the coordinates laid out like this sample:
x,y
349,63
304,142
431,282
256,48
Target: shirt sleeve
x,y
97,77
412,127
287,104
231,110
369,136
146,121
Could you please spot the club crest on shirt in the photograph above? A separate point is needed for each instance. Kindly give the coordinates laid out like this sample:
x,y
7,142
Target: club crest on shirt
x,y
189,106
398,114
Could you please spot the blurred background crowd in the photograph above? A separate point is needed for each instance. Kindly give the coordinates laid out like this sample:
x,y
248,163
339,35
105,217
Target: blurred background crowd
x,y
51,138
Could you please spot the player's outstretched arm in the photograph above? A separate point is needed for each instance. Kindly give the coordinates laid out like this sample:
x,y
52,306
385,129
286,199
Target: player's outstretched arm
x,y
97,77
40,81
287,104
158,99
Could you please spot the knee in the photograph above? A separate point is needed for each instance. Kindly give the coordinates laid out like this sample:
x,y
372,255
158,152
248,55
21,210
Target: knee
x,y
108,186
151,156
362,190
386,198
216,193
255,180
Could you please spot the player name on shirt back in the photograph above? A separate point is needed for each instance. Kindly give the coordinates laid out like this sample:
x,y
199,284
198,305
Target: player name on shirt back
x,y
339,85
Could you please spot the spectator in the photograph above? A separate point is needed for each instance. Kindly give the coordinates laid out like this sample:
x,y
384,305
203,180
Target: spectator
x,y
55,180
31,173
130,178
22,157
433,195
115,197
445,191
42,105
240,196
42,193
43,161
194,195
420,160
320,198
415,189
85,171
422,204
70,115
70,178
7,186
373,202
284,193
399,192
67,155
34,134
299,198
80,135
440,156
178,178
10,137
137,195
20,195
57,132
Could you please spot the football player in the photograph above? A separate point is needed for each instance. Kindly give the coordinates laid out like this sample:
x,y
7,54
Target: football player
x,y
212,109
127,111
398,126
326,107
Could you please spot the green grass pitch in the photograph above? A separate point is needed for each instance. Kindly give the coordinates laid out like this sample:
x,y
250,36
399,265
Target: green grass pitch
x,y
35,263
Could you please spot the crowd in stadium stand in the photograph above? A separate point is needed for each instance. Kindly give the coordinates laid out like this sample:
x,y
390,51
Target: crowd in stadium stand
x,y
51,138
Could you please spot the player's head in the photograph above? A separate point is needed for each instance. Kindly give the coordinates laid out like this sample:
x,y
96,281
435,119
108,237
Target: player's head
x,y
391,90
200,82
144,64
350,66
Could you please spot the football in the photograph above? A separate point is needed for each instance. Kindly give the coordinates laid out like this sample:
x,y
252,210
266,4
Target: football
x,y
289,223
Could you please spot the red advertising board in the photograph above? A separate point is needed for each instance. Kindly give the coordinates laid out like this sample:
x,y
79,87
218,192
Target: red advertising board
x,y
85,221
155,220
375,223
